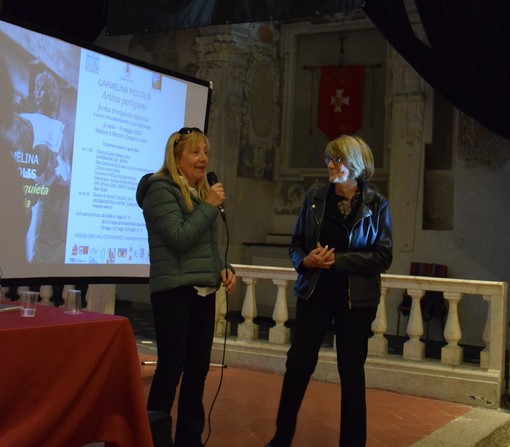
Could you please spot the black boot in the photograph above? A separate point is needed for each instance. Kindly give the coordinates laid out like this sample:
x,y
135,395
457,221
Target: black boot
x,y
161,428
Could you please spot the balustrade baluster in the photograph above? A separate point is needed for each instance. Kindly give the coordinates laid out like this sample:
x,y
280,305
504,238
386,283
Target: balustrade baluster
x,y
65,289
248,330
21,289
486,335
414,348
378,343
279,334
46,292
452,353
222,324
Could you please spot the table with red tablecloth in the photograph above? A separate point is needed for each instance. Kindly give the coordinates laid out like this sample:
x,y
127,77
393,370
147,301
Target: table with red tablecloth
x,y
67,380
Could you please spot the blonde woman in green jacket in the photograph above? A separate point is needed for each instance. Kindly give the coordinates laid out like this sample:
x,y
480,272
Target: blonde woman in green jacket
x,y
186,269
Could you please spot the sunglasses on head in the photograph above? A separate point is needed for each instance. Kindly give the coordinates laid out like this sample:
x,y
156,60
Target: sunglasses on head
x,y
188,130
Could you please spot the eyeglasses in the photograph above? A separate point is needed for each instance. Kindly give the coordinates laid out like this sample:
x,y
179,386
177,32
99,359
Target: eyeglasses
x,y
188,130
335,160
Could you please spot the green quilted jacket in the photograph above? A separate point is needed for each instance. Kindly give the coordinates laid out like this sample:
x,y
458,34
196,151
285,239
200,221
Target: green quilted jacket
x,y
183,244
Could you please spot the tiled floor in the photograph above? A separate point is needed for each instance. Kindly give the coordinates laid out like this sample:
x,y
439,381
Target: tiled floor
x,y
245,409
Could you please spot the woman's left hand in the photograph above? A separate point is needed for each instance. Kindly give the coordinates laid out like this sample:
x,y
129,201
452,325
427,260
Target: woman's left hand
x,y
228,279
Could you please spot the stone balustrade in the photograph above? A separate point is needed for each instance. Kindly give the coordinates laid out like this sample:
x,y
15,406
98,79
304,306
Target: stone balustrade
x,y
411,372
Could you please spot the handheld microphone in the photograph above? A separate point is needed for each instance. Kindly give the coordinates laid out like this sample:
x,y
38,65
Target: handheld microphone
x,y
212,179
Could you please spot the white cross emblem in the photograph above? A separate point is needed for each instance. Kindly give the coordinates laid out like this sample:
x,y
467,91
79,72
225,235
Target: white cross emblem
x,y
339,99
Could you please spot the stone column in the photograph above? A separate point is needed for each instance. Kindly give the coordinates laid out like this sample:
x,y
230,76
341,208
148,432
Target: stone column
x,y
223,59
241,62
407,105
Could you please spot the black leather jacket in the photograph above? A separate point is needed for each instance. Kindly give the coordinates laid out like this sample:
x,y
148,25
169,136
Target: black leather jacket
x,y
369,253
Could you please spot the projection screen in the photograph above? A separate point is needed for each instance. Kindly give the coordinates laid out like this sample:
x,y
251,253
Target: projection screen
x,y
79,126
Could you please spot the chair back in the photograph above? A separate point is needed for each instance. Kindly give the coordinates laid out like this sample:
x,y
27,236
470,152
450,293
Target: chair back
x,y
432,303
426,269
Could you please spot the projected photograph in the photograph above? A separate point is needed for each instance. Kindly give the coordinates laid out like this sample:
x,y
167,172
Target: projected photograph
x,y
78,129
39,133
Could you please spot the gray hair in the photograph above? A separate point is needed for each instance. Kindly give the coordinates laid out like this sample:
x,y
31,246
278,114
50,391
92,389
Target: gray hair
x,y
355,153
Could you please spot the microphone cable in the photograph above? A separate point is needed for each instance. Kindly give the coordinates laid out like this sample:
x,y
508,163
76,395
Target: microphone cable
x,y
222,365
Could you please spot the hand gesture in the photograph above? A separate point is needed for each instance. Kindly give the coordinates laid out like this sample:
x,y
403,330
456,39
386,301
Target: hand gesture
x,y
216,195
320,257
228,279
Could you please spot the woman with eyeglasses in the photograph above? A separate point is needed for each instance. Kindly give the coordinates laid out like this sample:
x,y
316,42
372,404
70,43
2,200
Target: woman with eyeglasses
x,y
186,269
341,243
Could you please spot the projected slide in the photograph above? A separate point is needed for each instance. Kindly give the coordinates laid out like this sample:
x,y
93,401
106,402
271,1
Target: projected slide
x,y
82,129
120,104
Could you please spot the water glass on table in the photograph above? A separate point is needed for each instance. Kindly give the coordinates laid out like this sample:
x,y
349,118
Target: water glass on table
x,y
28,303
73,302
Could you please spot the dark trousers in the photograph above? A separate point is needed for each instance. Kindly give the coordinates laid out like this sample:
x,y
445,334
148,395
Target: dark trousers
x,y
184,325
352,329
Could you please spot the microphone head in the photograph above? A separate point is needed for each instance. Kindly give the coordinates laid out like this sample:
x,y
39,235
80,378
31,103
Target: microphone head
x,y
212,178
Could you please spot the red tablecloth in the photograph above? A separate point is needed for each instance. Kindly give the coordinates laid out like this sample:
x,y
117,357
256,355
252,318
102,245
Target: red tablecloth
x,y
68,380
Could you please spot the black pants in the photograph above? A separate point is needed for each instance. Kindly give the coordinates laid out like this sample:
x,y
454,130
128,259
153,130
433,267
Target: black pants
x,y
184,324
352,329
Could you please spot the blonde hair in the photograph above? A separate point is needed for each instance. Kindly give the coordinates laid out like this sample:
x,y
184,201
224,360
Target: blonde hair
x,y
176,144
355,153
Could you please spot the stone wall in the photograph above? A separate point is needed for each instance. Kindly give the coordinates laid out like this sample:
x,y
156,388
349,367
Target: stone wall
x,y
249,127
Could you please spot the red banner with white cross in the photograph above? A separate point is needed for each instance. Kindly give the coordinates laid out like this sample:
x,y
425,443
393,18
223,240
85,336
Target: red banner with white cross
x,y
341,100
